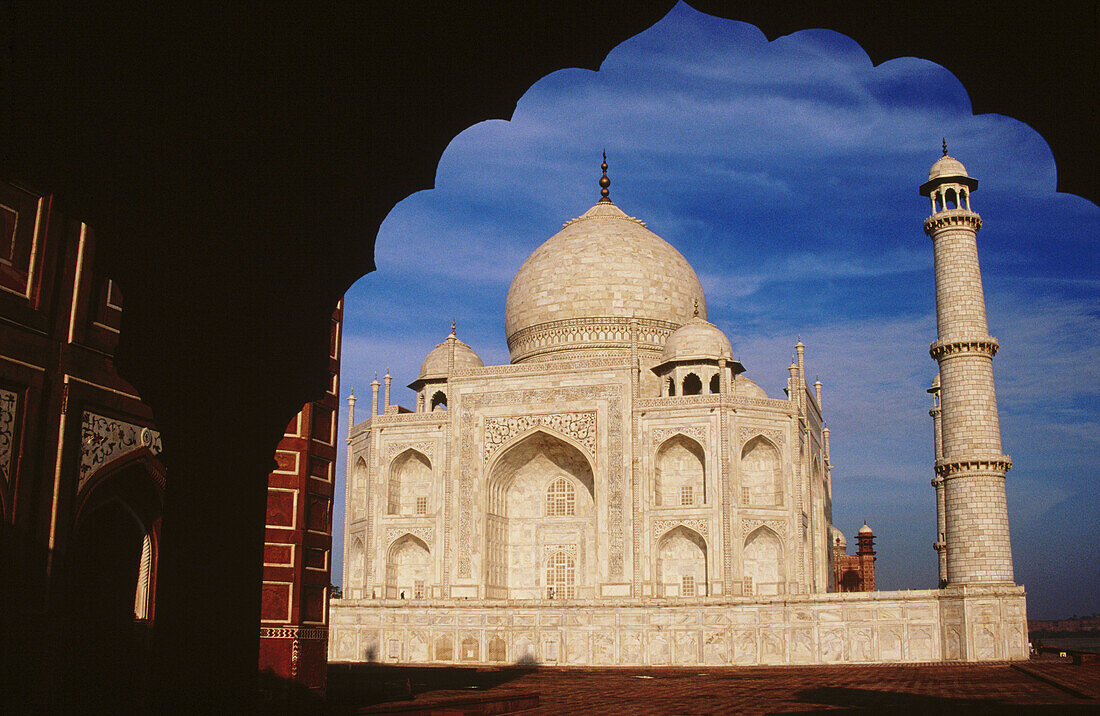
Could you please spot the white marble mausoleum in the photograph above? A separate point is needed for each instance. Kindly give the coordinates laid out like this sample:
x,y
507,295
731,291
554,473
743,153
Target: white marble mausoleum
x,y
620,494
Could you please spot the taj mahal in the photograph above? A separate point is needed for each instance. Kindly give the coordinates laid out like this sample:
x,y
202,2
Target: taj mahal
x,y
623,493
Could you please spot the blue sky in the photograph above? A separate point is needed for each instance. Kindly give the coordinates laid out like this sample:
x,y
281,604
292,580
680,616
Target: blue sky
x,y
786,172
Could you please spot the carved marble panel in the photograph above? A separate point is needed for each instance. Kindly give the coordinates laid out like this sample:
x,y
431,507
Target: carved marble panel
x,y
395,533
777,526
395,448
579,426
702,526
747,433
697,433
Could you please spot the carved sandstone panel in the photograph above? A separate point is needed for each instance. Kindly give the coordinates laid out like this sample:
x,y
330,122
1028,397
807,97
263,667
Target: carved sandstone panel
x,y
103,439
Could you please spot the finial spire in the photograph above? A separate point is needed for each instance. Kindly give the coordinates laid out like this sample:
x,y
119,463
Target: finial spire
x,y
696,310
454,325
945,146
604,181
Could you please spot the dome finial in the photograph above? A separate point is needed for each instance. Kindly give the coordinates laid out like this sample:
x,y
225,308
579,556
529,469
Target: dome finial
x,y
696,309
604,181
454,325
945,146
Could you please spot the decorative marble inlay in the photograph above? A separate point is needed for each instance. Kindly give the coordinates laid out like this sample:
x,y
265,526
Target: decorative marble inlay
x,y
702,526
8,403
695,432
748,432
103,439
395,533
395,448
579,426
471,404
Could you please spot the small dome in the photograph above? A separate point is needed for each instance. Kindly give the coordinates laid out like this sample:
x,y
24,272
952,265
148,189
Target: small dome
x,y
746,388
838,536
436,363
935,384
697,339
865,530
947,167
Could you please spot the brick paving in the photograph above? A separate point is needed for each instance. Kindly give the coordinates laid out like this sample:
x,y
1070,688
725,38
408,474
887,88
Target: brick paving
x,y
987,688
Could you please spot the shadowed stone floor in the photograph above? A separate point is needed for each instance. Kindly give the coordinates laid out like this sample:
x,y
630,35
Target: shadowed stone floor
x,y
1042,685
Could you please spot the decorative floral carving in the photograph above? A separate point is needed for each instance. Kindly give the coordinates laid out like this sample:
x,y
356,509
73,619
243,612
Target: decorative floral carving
x,y
777,526
579,426
747,433
103,439
8,404
396,448
395,533
695,432
702,526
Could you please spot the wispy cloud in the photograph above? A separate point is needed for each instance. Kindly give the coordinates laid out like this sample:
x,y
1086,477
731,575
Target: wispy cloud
x,y
786,173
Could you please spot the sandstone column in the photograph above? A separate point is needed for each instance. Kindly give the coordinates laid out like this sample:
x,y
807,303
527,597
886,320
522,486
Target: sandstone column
x,y
972,465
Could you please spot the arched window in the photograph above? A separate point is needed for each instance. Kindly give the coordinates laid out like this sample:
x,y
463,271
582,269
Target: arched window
x,y
715,383
439,401
679,464
692,385
761,474
672,386
561,576
763,559
410,478
950,200
682,563
561,499
408,561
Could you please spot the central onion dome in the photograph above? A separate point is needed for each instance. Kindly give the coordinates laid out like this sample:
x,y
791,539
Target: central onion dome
x,y
579,291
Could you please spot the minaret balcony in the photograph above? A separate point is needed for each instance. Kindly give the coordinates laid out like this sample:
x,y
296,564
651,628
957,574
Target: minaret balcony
x,y
952,217
950,346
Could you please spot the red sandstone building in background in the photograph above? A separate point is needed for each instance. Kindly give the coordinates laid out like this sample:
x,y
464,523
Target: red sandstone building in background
x,y
855,572
82,477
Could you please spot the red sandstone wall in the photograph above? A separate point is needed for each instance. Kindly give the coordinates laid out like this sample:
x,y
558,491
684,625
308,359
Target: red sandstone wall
x,y
298,541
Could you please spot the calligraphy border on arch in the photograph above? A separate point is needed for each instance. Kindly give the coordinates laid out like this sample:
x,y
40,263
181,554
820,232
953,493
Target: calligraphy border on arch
x,y
469,406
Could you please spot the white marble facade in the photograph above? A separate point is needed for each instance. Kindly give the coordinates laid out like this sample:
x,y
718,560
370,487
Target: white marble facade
x,y
621,472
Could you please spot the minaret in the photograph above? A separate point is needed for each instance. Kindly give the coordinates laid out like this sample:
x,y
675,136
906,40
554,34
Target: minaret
x,y
866,555
374,395
351,412
972,466
940,544
386,395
